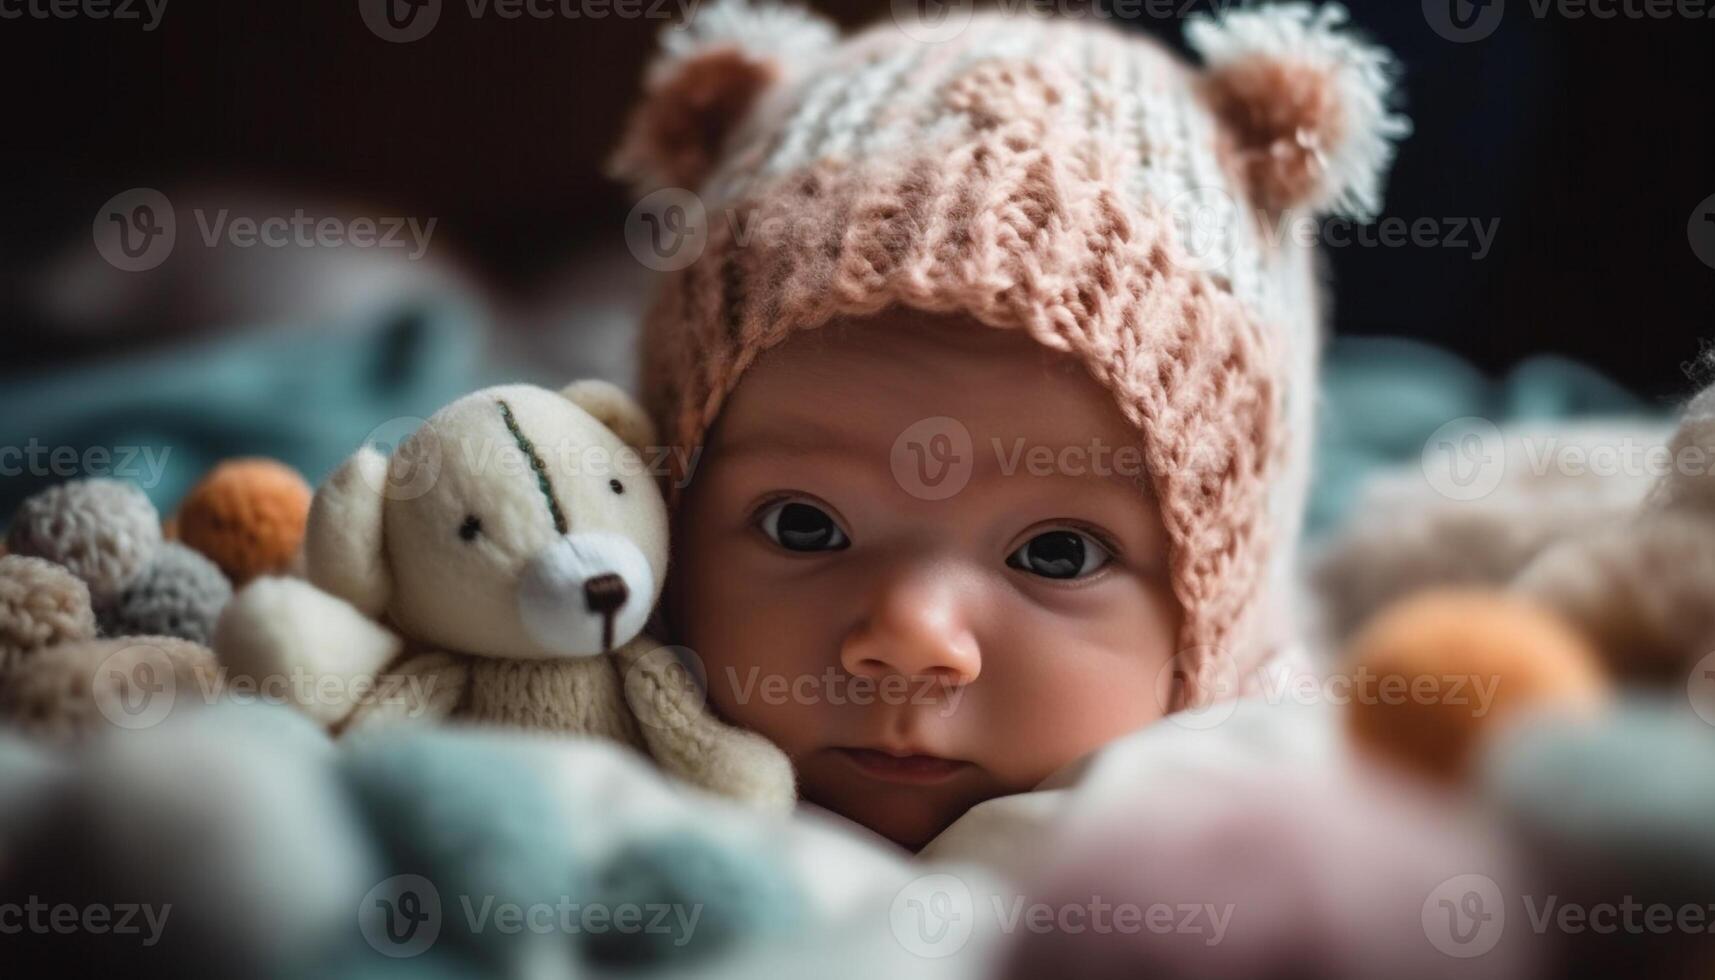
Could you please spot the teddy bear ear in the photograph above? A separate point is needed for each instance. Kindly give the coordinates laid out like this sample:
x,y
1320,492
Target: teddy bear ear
x,y
344,549
615,409
1307,106
711,70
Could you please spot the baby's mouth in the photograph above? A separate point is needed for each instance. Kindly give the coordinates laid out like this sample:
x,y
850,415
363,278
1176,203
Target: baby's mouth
x,y
902,768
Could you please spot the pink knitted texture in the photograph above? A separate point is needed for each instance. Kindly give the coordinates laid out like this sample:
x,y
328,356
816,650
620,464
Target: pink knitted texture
x,y
1015,174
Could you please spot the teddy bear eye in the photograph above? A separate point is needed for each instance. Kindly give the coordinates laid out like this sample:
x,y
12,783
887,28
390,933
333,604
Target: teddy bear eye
x,y
616,486
471,527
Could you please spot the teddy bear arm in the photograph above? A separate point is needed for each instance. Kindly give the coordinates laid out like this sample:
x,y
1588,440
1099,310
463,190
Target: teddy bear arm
x,y
688,741
291,636
425,687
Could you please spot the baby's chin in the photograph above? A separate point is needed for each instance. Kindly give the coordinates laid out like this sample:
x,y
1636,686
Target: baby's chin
x,y
909,814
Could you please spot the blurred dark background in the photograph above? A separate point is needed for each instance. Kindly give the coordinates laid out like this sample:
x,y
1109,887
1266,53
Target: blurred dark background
x,y
1588,139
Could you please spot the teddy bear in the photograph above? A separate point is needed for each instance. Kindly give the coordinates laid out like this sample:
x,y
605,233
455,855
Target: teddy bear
x,y
498,568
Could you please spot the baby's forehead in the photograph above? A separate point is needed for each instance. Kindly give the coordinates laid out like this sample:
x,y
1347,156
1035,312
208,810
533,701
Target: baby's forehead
x,y
862,388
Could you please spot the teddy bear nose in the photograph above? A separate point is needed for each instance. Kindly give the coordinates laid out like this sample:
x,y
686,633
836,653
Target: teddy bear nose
x,y
585,593
604,593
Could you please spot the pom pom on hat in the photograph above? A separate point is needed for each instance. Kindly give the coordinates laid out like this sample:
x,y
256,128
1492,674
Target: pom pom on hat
x,y
711,71
1308,105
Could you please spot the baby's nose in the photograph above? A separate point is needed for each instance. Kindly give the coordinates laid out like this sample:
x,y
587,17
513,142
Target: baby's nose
x,y
915,627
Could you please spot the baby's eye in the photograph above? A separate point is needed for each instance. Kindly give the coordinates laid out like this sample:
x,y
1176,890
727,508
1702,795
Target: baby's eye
x,y
798,526
1060,554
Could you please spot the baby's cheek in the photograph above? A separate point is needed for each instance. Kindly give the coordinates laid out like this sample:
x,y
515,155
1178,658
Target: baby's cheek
x,y
1066,691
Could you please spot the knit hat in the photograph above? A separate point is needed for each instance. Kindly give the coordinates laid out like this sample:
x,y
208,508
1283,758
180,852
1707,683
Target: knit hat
x,y
1059,177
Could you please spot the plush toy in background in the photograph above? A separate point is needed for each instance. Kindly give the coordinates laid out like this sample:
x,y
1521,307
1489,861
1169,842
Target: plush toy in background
x,y
248,517
515,546
1631,597
41,604
108,534
1443,670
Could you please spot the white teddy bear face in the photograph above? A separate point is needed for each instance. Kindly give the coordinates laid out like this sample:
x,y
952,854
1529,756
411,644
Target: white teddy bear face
x,y
514,523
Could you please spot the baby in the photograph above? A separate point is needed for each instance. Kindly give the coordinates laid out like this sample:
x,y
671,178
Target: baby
x,y
997,376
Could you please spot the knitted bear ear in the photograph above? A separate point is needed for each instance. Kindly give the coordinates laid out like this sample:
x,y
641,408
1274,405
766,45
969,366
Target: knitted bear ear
x,y
711,71
1308,106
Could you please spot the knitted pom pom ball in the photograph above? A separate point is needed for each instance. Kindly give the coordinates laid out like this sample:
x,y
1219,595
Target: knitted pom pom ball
x,y
1267,874
1435,674
247,516
73,691
179,594
41,604
105,531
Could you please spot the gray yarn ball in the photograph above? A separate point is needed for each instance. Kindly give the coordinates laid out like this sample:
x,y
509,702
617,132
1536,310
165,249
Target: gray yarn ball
x,y
105,531
180,594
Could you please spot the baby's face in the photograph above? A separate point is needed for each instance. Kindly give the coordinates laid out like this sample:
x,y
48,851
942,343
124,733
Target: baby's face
x,y
917,650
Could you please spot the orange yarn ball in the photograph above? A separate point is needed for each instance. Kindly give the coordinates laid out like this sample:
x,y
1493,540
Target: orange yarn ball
x,y
247,516
1437,673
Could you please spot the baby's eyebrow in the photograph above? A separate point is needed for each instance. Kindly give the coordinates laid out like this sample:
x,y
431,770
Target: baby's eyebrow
x,y
799,437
